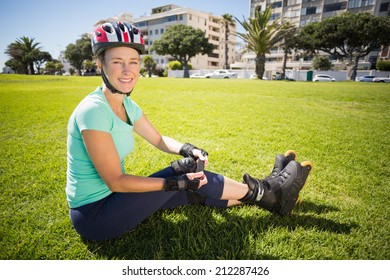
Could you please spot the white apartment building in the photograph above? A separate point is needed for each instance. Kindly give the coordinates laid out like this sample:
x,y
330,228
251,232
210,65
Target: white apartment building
x,y
155,24
303,12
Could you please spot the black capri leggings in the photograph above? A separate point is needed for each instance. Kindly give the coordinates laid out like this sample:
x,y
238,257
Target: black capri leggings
x,y
118,213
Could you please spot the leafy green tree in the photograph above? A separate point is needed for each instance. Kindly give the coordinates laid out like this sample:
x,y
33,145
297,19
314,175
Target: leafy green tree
x,y
149,64
261,36
23,52
182,42
176,65
79,52
15,65
383,65
41,58
322,63
53,66
227,21
290,43
90,67
349,37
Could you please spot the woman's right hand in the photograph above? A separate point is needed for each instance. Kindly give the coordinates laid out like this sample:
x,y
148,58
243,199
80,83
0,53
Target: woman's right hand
x,y
198,175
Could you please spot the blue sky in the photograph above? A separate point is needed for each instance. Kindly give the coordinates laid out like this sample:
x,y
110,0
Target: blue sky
x,y
56,23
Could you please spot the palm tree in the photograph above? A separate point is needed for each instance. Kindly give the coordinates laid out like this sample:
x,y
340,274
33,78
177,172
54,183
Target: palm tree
x,y
24,50
227,21
262,35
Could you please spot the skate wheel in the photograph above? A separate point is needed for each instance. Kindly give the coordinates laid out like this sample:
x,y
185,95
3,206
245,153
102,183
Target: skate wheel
x,y
307,164
291,154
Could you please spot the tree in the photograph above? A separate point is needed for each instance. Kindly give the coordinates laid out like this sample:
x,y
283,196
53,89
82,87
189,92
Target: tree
x,y
176,65
53,66
348,37
227,21
78,52
290,42
262,35
23,52
182,42
149,64
15,65
383,65
322,63
41,58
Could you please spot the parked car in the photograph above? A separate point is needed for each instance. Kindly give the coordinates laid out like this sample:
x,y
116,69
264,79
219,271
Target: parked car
x,y
221,74
196,76
366,78
323,78
381,80
280,77
254,76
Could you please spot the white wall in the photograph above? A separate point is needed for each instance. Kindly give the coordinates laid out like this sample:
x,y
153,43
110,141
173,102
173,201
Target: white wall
x,y
299,75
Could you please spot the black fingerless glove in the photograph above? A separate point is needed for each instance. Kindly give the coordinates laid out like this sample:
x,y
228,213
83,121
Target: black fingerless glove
x,y
187,151
181,183
184,165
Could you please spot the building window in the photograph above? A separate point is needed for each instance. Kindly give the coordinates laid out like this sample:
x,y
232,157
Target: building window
x,y
141,24
384,7
335,7
156,32
170,18
162,30
274,16
311,10
150,32
276,5
366,3
359,3
353,4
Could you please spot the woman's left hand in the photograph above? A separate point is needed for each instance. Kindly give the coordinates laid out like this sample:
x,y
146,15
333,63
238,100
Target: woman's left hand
x,y
201,156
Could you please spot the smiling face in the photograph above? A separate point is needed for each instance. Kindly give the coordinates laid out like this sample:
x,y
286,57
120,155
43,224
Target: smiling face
x,y
121,66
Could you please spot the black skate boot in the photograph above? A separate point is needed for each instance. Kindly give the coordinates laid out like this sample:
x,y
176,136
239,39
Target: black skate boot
x,y
259,193
281,162
281,192
288,184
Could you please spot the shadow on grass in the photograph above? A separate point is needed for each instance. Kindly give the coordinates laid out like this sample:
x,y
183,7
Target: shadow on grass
x,y
208,233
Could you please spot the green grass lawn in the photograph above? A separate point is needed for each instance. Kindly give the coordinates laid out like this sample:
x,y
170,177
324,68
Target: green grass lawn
x,y
343,128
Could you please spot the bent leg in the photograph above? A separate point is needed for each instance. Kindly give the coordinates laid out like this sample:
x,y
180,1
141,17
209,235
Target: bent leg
x,y
121,212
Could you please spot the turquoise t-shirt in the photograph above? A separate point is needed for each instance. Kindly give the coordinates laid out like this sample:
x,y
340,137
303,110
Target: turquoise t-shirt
x,y
84,184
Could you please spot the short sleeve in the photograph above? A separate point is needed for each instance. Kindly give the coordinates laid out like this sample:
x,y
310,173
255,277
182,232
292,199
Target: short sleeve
x,y
94,117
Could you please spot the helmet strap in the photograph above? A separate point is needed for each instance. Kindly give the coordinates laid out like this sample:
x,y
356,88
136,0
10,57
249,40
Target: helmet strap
x,y
111,87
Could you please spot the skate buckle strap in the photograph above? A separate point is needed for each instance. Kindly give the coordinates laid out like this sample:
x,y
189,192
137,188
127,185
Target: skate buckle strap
x,y
260,194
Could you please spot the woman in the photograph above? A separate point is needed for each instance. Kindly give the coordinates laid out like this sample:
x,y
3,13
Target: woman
x,y
104,201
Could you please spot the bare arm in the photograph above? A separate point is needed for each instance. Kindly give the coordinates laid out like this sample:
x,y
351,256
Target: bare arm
x,y
103,154
145,129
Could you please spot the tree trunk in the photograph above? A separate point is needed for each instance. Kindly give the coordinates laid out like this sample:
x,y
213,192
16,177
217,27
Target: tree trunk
x,y
31,65
226,46
186,71
260,65
25,69
284,64
352,67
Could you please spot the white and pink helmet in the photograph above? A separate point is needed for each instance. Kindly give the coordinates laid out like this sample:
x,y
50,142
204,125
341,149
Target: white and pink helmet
x,y
115,34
